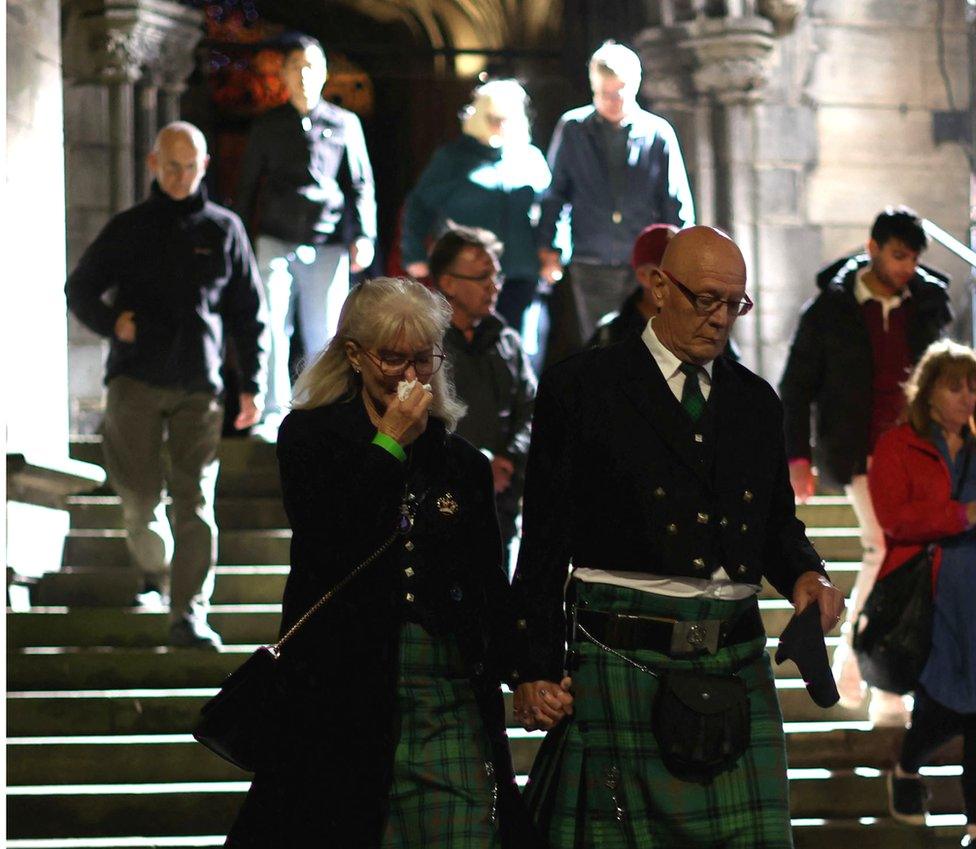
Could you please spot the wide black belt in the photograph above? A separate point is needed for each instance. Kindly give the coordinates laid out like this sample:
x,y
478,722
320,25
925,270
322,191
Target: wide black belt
x,y
669,636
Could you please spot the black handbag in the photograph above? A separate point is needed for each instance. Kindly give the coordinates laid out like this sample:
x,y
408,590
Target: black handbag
x,y
701,722
892,636
239,723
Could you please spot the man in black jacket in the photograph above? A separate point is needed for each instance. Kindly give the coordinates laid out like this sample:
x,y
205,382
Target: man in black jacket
x,y
162,281
658,472
306,189
854,347
615,169
491,372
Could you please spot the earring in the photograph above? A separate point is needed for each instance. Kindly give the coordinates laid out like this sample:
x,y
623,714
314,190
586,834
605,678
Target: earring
x,y
356,369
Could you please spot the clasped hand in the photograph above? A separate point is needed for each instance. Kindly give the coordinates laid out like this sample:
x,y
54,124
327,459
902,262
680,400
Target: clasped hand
x,y
543,704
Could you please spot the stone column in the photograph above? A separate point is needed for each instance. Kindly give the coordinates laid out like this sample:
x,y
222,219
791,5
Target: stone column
x,y
147,125
121,58
731,68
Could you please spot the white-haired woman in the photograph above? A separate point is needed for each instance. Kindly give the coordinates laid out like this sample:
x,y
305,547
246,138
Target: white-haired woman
x,y
490,177
394,733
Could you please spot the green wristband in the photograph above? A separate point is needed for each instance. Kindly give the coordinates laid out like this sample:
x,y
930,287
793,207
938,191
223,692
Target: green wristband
x,y
388,443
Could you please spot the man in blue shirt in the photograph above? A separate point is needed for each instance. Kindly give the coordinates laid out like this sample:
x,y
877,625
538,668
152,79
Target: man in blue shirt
x,y
615,169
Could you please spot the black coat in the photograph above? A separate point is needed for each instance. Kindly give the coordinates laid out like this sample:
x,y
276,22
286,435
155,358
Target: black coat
x,y
493,377
315,184
185,268
616,481
331,784
831,367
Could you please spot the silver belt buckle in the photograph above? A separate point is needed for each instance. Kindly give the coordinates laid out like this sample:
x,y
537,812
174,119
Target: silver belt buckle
x,y
695,637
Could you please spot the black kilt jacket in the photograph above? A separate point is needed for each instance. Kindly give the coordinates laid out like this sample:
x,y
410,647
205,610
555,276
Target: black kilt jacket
x,y
330,783
619,477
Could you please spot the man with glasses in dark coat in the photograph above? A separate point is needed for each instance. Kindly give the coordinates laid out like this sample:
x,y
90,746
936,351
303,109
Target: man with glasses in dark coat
x,y
490,369
658,473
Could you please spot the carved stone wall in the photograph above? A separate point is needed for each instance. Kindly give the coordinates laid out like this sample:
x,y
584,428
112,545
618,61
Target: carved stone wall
x,y
126,63
800,121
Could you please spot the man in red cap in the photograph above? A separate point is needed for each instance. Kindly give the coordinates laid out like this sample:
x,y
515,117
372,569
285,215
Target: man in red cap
x,y
638,308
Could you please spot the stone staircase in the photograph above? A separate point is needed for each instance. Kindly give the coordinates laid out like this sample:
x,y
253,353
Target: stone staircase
x,y
99,709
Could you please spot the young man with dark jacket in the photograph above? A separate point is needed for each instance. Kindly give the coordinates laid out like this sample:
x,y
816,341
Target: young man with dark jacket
x,y
182,272
855,345
306,189
490,369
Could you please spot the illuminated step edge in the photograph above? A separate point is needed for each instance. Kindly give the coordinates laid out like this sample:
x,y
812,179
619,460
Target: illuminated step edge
x,y
118,842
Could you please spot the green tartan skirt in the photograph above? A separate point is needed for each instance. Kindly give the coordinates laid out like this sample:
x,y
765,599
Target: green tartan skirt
x,y
598,781
444,792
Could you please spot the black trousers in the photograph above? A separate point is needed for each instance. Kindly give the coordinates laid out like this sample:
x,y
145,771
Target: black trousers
x,y
933,724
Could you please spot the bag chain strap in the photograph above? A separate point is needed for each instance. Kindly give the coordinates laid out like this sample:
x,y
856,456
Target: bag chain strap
x,y
276,648
639,666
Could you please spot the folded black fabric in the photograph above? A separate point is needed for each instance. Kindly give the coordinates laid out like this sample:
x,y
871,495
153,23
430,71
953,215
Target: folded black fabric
x,y
802,641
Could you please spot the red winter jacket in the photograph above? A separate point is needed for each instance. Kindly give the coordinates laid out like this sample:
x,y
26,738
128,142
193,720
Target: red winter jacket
x,y
912,495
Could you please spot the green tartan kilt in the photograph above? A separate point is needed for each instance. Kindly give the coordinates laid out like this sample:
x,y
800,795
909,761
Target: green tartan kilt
x,y
444,793
600,782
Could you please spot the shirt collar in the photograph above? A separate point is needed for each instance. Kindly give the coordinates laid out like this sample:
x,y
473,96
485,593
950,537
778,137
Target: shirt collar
x,y
863,294
666,361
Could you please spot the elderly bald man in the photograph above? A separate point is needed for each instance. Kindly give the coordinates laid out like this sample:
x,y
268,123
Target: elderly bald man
x,y
658,476
163,281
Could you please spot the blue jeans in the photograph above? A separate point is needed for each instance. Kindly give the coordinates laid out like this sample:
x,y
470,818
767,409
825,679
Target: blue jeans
x,y
306,284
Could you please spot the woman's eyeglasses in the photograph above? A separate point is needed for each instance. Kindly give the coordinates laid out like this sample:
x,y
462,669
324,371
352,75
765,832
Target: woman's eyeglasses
x,y
394,364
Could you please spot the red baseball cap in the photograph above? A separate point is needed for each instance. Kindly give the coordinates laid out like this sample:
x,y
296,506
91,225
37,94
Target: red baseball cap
x,y
650,244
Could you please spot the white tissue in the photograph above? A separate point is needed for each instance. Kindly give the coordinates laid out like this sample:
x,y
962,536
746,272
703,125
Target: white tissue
x,y
405,387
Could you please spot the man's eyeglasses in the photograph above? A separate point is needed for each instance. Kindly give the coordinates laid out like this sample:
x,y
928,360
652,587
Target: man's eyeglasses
x,y
706,304
483,280
394,364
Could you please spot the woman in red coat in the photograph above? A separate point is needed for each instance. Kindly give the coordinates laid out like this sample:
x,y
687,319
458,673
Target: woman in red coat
x,y
917,468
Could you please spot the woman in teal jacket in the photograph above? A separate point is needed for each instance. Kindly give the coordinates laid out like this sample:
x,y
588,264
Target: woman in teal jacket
x,y
490,177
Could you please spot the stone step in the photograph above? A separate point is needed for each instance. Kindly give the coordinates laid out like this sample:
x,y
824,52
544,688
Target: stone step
x,y
103,712
173,709
101,548
104,512
115,588
239,623
107,547
873,833
50,811
834,543
835,833
827,510
157,758
238,454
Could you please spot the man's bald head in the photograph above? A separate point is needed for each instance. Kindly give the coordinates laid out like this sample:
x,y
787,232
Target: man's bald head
x,y
179,159
698,261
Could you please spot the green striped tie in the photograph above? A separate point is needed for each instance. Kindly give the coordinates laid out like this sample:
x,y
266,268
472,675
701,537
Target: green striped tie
x,y
691,396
